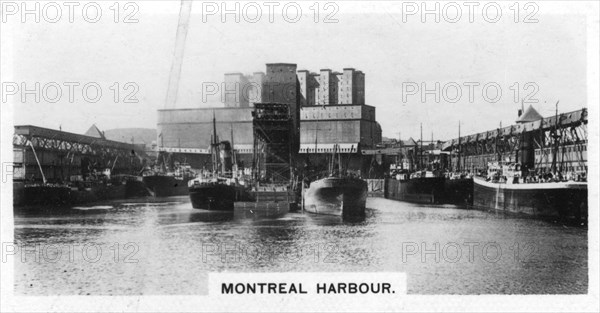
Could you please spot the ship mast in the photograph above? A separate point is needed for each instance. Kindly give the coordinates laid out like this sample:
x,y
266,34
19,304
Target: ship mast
x,y
459,146
421,149
399,158
429,157
234,157
316,135
555,138
339,155
215,147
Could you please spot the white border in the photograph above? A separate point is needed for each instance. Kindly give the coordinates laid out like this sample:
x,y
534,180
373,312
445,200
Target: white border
x,y
588,302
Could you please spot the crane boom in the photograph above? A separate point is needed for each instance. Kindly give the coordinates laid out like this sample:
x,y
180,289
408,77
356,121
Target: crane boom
x,y
182,29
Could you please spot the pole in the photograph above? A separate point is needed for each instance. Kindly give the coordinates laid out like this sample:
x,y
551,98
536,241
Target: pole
x,y
114,163
214,148
400,158
459,147
37,160
339,160
232,147
555,138
421,149
430,158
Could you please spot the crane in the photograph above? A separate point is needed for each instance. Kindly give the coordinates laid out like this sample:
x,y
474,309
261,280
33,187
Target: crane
x,y
174,75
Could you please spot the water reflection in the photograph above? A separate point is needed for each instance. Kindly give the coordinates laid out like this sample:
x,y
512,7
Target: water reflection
x,y
177,246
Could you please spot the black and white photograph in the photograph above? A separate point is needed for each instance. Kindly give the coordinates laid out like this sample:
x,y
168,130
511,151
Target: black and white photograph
x,y
275,156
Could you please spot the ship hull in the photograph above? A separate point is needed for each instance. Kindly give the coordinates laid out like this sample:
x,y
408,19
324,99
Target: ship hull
x,y
458,191
98,193
41,195
426,190
562,200
63,195
219,197
336,196
166,186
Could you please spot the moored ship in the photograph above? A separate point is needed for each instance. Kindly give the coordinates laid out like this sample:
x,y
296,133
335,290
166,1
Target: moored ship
x,y
418,187
424,185
539,167
458,185
40,194
551,197
166,184
220,189
77,191
336,195
458,189
212,193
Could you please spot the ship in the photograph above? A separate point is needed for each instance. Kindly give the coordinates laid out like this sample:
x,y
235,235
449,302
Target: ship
x,y
40,194
89,186
458,189
458,185
217,190
212,193
338,194
169,183
425,185
95,188
545,174
504,189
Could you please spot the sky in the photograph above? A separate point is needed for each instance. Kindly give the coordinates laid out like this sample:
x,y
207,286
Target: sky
x,y
545,61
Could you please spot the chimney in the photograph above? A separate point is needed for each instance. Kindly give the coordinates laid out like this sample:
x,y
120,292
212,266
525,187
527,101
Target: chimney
x,y
522,109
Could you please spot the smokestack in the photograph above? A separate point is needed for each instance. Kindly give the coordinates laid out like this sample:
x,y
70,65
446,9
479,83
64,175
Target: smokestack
x,y
225,155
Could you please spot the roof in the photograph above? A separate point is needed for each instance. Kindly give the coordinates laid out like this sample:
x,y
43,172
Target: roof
x,y
285,64
35,131
93,131
409,142
529,115
562,120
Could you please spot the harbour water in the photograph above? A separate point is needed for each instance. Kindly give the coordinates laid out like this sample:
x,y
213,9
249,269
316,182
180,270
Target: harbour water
x,y
168,248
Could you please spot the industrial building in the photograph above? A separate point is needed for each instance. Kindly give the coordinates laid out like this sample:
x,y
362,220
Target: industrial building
x,y
553,144
241,91
58,156
329,113
332,88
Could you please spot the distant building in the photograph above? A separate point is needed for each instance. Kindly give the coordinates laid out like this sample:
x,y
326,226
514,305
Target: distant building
x,y
242,91
529,115
332,88
235,90
186,133
330,109
349,126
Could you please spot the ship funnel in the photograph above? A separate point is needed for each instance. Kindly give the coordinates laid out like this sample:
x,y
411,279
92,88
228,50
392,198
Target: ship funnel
x,y
225,156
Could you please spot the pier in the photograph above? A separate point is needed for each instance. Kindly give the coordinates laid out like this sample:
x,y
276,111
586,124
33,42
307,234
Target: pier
x,y
555,143
57,155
